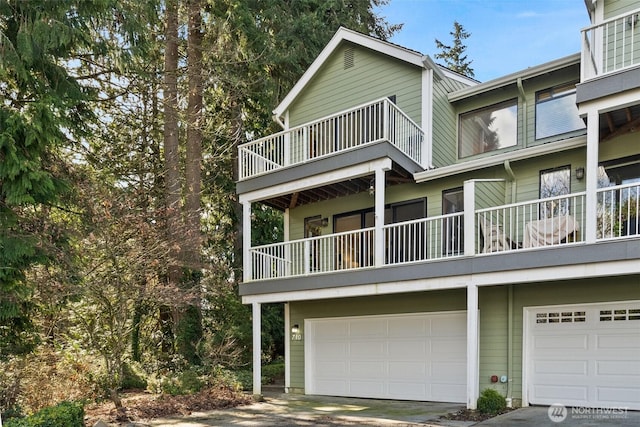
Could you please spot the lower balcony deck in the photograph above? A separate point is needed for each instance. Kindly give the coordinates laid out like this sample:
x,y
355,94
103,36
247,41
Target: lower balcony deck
x,y
528,229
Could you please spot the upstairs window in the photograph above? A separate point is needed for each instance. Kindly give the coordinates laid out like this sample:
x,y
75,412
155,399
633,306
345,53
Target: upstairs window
x,y
488,129
557,112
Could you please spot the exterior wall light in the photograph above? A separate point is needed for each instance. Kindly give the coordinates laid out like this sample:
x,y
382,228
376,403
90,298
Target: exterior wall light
x,y
579,173
295,329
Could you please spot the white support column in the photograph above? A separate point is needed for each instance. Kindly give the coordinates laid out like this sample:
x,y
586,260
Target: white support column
x,y
246,241
287,348
591,167
257,349
426,117
473,361
469,191
379,218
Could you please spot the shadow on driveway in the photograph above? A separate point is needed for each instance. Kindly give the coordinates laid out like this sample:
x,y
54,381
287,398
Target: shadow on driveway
x,y
279,409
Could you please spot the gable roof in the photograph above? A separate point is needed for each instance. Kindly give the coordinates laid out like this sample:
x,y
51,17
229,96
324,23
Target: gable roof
x,y
344,34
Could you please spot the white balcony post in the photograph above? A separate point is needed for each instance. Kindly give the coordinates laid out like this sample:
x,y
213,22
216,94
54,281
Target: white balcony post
x,y
379,218
246,242
287,348
472,346
386,106
591,219
469,191
307,256
257,349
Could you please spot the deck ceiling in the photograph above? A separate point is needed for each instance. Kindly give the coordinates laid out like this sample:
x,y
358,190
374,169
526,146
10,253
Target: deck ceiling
x,y
619,122
396,175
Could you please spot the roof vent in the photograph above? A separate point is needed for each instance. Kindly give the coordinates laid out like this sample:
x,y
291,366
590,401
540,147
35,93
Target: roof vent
x,y
349,55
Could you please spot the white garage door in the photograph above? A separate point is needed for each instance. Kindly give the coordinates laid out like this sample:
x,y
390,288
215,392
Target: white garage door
x,y
585,355
413,357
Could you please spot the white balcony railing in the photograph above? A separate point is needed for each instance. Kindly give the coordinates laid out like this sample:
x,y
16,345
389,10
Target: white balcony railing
x,y
535,224
377,121
545,222
618,208
611,46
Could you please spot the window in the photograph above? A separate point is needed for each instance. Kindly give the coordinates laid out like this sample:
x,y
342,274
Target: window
x,y
452,229
488,129
557,112
555,182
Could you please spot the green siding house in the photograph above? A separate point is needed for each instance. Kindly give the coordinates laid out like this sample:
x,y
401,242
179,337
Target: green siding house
x,y
444,236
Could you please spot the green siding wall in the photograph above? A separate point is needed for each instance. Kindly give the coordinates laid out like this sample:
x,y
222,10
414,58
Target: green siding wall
x,y
449,300
444,123
618,7
373,76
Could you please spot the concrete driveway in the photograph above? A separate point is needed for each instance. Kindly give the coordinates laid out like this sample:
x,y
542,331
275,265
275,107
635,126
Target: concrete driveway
x,y
280,409
543,416
299,410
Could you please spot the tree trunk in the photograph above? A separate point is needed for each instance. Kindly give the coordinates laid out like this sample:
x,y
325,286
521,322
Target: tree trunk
x,y
194,137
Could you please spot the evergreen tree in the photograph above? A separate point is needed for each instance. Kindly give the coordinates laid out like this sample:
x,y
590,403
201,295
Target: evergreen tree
x,y
454,55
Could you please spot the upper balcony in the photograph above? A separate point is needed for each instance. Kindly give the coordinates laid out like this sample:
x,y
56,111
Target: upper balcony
x,y
366,124
611,46
485,230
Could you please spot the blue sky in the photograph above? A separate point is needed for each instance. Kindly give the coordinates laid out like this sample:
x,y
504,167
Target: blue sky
x,y
506,35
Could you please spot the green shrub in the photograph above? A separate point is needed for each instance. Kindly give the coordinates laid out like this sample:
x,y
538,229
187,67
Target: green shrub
x,y
64,414
491,402
272,371
186,382
133,378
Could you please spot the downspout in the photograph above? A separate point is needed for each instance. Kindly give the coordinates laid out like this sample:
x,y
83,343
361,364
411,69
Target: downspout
x,y
510,346
524,109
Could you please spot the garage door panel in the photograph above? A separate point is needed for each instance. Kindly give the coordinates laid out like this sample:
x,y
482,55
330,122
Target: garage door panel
x,y
593,363
562,393
618,341
389,356
445,326
447,347
323,330
363,328
368,349
619,367
619,395
338,367
561,367
566,341
332,350
408,370
408,349
368,369
446,372
409,327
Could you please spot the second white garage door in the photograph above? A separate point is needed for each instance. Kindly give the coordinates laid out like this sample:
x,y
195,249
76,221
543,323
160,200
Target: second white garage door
x,y
408,356
584,355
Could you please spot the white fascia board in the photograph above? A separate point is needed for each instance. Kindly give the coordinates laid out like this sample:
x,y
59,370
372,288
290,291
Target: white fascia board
x,y
319,180
497,278
344,34
511,79
525,153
